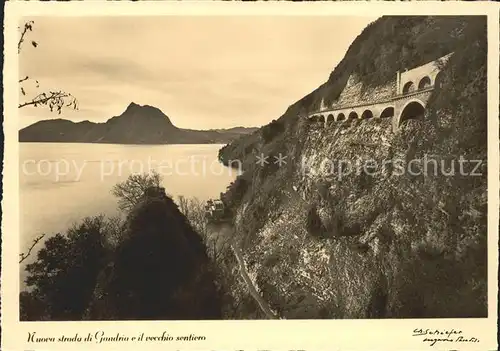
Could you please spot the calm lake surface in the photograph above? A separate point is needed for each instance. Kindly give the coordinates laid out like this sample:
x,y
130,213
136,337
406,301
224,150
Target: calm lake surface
x,y
62,183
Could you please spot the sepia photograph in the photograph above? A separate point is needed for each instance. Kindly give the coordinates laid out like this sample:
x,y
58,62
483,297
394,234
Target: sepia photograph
x,y
246,213
263,167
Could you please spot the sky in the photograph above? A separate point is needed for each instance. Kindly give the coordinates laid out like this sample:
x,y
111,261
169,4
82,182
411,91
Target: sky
x,y
203,72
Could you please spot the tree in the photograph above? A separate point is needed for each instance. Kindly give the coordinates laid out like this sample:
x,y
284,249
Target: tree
x,y
54,100
64,275
114,231
217,239
130,191
194,210
271,130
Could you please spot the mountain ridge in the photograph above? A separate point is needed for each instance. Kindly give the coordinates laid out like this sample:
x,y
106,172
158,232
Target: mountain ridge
x,y
137,124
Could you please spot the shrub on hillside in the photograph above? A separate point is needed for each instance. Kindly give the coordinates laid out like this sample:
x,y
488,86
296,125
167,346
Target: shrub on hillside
x,y
194,210
314,226
333,224
422,281
323,190
235,192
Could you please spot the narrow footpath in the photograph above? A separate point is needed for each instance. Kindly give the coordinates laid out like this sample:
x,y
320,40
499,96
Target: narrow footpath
x,y
251,287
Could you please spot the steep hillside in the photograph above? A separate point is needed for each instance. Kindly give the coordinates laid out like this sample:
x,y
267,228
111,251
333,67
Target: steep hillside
x,y
158,242
374,243
136,125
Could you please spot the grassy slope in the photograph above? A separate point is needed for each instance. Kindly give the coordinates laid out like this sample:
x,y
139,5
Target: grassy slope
x,y
384,246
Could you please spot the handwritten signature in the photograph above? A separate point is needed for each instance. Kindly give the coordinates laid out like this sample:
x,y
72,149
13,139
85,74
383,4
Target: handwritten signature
x,y
434,336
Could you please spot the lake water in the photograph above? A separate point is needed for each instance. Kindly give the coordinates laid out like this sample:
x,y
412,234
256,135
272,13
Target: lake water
x,y
63,183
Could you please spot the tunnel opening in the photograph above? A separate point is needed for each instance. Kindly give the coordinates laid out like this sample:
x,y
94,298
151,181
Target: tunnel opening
x,y
408,88
438,82
353,115
330,119
367,114
387,113
424,83
414,110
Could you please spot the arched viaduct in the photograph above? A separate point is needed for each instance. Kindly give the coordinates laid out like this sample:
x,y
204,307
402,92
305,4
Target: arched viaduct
x,y
413,90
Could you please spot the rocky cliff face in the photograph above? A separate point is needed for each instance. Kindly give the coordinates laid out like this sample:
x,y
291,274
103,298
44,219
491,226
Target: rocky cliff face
x,y
355,92
381,245
349,227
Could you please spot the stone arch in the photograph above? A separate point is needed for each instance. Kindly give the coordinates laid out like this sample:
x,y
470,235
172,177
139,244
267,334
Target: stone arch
x,y
321,119
424,83
387,112
414,109
438,81
367,114
340,117
353,115
330,119
408,87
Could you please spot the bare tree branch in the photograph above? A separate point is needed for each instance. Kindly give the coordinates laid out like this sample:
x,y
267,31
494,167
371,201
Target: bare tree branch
x,y
28,26
54,99
131,191
24,256
23,79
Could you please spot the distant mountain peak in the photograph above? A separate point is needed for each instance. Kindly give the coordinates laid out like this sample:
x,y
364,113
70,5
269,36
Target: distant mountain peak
x,y
132,106
136,108
135,125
